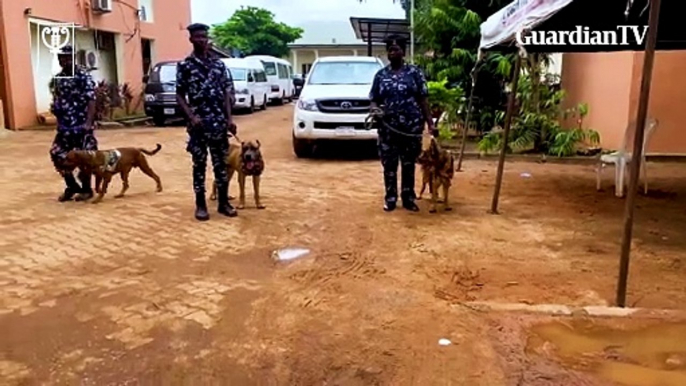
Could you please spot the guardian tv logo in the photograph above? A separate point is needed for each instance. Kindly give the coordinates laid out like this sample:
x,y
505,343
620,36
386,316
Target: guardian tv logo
x,y
54,37
624,35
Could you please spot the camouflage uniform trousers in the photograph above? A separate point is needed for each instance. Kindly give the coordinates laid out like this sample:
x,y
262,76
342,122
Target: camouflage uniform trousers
x,y
68,139
395,149
218,145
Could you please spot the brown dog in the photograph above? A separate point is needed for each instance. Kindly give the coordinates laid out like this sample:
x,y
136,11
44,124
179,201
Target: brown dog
x,y
104,164
245,158
437,172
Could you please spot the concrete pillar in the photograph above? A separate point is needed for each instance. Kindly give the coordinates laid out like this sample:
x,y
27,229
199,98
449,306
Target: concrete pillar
x,y
316,54
295,60
354,52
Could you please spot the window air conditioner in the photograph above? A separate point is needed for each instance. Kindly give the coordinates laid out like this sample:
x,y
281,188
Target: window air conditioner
x,y
102,6
92,59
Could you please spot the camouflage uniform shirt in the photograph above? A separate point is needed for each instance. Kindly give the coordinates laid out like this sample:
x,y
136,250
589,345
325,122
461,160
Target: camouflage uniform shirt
x,y
205,83
71,96
398,93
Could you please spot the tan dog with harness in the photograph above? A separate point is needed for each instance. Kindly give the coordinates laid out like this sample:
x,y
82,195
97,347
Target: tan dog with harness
x,y
245,158
438,169
104,164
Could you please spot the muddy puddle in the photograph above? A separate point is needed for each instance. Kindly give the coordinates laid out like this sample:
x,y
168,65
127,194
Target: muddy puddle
x,y
649,356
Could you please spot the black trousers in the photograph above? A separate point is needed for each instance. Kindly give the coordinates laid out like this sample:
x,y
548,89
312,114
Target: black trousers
x,y
217,145
397,149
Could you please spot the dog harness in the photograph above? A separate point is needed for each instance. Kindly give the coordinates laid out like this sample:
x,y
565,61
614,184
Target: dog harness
x,y
111,160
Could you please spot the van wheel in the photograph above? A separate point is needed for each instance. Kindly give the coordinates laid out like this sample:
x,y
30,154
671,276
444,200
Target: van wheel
x,y
302,148
264,103
252,105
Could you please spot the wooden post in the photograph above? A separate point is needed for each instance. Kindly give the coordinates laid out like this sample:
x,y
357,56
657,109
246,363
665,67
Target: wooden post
x,y
468,118
506,133
637,154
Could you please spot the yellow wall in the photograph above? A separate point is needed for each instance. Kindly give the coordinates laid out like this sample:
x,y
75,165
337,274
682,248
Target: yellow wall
x,y
300,56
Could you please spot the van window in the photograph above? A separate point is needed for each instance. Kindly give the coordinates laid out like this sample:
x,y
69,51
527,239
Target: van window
x,y
239,74
260,76
269,68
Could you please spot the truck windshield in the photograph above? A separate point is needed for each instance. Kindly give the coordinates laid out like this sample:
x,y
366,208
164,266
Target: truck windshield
x,y
329,73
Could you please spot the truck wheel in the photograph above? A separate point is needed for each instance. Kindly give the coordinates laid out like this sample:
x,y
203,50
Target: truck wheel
x,y
302,148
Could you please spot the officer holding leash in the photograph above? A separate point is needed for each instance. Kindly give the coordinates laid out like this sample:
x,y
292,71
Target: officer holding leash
x,y
400,107
207,84
73,106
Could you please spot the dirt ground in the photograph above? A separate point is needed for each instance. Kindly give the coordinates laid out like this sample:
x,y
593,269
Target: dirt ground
x,y
134,291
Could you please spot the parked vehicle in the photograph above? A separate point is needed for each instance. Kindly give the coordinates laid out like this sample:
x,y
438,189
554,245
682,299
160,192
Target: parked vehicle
x,y
298,83
279,73
160,93
251,83
334,102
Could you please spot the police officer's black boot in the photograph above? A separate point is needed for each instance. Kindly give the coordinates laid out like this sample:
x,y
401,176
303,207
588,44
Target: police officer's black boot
x,y
72,188
201,207
86,192
224,207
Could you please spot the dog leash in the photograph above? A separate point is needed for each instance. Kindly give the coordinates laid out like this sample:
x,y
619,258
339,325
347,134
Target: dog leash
x,y
377,114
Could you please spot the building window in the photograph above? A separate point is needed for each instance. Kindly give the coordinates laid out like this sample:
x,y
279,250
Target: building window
x,y
145,10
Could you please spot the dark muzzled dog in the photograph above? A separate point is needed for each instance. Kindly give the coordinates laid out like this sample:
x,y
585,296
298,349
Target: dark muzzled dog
x,y
438,169
104,164
246,160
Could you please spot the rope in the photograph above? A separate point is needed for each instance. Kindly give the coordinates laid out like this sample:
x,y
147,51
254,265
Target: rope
x,y
376,115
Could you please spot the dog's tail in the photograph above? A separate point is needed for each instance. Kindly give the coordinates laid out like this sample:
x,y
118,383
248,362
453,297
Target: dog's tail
x,y
153,152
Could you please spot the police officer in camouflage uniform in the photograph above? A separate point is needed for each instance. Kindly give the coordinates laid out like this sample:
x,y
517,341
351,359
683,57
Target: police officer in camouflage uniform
x,y
74,108
206,82
400,90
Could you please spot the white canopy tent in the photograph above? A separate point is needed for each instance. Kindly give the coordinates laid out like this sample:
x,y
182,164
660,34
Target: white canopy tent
x,y
521,16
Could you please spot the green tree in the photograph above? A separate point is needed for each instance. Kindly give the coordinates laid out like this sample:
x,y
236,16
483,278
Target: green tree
x,y
254,31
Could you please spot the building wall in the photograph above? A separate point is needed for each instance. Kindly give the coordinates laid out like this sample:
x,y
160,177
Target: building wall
x,y
610,84
168,33
603,80
308,56
667,100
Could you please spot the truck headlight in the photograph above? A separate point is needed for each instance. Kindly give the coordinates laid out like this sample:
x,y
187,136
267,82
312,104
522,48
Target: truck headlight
x,y
244,91
150,98
307,105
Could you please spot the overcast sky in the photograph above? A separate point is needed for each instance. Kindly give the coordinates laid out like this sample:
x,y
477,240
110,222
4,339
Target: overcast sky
x,y
296,12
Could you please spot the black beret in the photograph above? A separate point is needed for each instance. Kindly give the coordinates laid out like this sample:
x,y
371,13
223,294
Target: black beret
x,y
396,40
66,50
197,27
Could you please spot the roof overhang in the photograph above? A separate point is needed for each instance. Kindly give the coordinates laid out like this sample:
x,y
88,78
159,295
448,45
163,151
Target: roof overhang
x,y
606,16
377,30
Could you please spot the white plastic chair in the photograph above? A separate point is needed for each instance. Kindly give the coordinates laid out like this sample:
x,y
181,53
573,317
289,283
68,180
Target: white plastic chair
x,y
621,158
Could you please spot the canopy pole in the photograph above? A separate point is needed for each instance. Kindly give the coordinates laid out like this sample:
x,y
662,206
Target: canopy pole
x,y
635,165
506,130
412,31
468,116
369,39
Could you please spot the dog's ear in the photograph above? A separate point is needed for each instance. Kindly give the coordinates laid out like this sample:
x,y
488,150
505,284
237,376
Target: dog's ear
x,y
259,145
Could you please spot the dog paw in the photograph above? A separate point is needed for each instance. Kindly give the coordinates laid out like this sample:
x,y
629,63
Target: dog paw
x,y
231,198
432,210
448,209
213,198
119,196
159,190
261,207
240,207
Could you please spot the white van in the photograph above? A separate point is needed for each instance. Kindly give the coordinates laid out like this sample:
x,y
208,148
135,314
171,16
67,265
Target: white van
x,y
250,81
279,72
